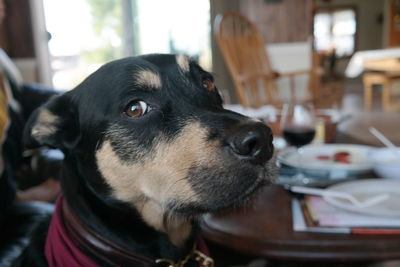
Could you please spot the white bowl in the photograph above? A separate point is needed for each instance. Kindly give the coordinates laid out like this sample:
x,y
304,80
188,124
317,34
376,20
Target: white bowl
x,y
385,162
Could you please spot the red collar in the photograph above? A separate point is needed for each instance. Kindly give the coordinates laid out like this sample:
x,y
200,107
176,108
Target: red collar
x,y
67,234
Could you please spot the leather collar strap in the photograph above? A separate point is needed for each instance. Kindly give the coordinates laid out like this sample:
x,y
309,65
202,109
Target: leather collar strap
x,y
66,229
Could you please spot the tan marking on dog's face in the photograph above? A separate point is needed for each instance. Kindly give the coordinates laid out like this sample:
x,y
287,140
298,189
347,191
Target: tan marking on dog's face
x,y
45,125
183,62
160,178
148,78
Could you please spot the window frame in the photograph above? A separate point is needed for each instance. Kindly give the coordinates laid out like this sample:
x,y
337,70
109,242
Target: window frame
x,y
331,10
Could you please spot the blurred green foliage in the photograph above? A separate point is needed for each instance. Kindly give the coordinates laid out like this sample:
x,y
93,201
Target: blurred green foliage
x,y
107,26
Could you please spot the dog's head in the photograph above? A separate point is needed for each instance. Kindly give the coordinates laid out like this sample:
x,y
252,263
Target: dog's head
x,y
156,130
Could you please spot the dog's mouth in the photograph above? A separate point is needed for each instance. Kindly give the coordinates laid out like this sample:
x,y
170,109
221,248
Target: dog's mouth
x,y
264,179
221,199
251,192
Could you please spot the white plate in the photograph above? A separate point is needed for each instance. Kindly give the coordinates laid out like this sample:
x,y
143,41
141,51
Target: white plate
x,y
310,163
367,188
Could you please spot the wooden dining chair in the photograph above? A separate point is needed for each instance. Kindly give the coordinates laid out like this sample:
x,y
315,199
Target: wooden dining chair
x,y
244,52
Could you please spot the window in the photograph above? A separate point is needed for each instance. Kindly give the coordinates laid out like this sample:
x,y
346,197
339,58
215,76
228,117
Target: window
x,y
335,30
174,26
88,33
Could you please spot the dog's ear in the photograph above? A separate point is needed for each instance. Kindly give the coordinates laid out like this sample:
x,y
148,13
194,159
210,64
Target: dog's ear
x,y
55,124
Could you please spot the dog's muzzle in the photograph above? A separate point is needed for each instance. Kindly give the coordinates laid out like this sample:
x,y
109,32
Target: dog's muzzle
x,y
250,141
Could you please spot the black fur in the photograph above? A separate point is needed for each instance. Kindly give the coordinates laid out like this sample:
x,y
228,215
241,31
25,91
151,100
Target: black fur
x,y
94,113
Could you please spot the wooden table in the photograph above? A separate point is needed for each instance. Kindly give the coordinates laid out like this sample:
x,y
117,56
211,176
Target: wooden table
x,y
355,130
384,72
387,65
265,228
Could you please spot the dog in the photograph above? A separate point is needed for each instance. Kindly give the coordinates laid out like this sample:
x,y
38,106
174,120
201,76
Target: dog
x,y
148,148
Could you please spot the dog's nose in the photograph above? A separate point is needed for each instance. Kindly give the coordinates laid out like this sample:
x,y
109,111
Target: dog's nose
x,y
251,141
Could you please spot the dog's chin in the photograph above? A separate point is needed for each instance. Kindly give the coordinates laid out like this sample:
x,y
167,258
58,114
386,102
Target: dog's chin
x,y
195,209
248,196
242,199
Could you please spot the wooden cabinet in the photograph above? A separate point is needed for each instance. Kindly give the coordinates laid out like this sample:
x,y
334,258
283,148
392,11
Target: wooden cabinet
x,y
394,24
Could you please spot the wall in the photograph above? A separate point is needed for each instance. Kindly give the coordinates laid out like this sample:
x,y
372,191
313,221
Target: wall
x,y
285,21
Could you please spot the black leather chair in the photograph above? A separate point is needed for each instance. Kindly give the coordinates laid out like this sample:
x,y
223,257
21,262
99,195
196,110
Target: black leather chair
x,y
18,220
23,218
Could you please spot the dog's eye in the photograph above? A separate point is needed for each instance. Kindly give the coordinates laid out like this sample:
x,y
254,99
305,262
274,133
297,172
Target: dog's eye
x,y
137,109
209,85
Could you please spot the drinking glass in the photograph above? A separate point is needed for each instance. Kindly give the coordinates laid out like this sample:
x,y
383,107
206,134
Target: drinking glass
x,y
298,129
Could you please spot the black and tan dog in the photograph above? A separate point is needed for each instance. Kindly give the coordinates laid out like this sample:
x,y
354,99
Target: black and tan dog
x,y
148,148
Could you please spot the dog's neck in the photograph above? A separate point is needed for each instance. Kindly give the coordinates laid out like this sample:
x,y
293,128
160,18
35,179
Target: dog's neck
x,y
143,229
177,228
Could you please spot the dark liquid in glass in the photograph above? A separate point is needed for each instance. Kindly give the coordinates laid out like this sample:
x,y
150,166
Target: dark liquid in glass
x,y
298,136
